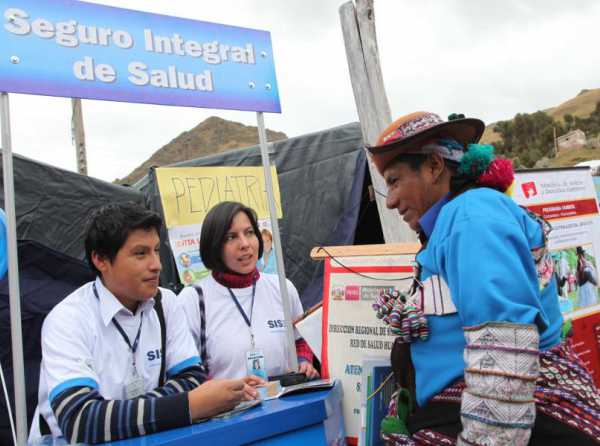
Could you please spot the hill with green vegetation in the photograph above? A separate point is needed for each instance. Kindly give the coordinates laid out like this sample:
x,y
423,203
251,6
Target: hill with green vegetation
x,y
214,135
572,157
581,105
528,138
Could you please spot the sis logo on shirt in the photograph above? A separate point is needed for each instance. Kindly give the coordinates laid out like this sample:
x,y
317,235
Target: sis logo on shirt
x,y
153,357
275,324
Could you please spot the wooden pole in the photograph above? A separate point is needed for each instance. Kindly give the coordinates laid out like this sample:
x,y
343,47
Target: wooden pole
x,y
78,135
358,27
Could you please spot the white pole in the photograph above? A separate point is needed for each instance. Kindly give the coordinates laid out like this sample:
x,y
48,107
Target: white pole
x,y
8,408
264,154
13,274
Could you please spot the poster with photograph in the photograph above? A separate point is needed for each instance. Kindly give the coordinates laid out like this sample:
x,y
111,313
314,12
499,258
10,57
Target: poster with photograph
x,y
267,263
566,198
188,193
351,329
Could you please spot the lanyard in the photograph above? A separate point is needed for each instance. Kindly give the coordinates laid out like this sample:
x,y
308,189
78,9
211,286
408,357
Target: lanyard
x,y
136,342
247,319
132,348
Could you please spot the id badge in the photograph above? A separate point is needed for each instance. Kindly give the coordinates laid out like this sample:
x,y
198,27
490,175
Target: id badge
x,y
255,363
134,387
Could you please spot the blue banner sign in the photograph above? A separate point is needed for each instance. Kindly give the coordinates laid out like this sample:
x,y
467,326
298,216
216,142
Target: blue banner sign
x,y
75,49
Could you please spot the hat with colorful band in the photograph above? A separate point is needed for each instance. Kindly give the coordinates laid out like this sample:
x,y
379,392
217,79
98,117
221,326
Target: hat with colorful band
x,y
409,134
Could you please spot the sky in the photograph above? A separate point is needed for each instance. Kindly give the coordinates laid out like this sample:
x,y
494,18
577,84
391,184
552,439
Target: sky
x,y
484,58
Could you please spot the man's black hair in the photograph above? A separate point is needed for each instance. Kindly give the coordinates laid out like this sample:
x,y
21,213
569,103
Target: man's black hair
x,y
458,183
414,160
214,228
109,227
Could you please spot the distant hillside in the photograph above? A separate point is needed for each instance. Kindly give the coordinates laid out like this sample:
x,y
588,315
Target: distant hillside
x,y
572,157
214,135
581,105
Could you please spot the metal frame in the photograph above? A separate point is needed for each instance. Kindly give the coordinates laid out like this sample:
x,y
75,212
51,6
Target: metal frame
x,y
13,274
264,154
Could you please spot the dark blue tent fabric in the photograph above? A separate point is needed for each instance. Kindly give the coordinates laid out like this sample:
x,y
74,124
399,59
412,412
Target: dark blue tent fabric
x,y
343,232
52,205
45,278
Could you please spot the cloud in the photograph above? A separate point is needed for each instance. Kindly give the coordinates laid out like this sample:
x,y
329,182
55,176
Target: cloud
x,y
483,58
490,59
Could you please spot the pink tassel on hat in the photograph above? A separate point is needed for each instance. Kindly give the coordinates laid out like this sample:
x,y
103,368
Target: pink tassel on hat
x,y
499,175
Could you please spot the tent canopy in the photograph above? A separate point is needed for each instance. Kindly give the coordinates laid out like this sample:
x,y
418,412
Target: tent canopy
x,y
52,204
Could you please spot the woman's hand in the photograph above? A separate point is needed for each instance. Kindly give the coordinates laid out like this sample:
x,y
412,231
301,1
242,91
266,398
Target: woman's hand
x,y
308,369
219,395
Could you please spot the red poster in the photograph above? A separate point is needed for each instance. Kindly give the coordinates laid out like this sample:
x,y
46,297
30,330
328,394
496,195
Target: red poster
x,y
586,342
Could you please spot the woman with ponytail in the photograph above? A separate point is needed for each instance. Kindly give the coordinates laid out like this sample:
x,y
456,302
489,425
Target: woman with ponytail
x,y
479,359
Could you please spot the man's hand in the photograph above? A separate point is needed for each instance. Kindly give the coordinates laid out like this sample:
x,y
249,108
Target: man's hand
x,y
308,369
216,396
251,382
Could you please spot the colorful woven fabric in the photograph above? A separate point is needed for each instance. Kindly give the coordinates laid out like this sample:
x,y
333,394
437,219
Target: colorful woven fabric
x,y
501,370
425,437
411,127
403,316
564,391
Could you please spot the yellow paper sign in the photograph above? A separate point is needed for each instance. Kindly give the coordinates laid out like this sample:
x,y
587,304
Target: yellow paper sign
x,y
188,193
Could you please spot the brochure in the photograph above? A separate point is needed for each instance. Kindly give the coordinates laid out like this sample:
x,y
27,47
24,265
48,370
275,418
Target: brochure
x,y
274,389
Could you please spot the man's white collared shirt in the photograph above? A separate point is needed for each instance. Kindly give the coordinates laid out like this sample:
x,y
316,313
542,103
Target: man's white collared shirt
x,y
81,346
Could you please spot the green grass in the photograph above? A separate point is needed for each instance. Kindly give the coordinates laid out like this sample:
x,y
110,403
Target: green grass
x,y
572,157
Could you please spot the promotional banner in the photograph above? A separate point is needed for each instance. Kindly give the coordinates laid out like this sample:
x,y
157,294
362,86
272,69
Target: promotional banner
x,y
566,198
101,52
188,193
351,330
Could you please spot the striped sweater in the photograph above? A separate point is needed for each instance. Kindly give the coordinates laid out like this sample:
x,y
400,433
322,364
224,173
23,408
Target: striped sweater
x,y
85,417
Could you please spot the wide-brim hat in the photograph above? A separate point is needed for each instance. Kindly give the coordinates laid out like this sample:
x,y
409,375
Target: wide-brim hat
x,y
408,133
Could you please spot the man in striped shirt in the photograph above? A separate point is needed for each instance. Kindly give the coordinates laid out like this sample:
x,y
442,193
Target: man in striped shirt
x,y
101,375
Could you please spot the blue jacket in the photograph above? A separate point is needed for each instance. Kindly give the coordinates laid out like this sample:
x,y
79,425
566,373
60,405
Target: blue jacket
x,y
480,243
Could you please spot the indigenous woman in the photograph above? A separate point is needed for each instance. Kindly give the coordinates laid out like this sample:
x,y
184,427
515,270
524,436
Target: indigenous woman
x,y
479,356
236,314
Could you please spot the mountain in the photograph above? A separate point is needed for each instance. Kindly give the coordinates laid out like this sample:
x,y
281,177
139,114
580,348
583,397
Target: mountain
x,y
214,135
581,105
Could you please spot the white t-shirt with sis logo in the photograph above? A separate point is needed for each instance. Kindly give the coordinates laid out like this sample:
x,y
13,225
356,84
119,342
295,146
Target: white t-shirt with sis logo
x,y
228,335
